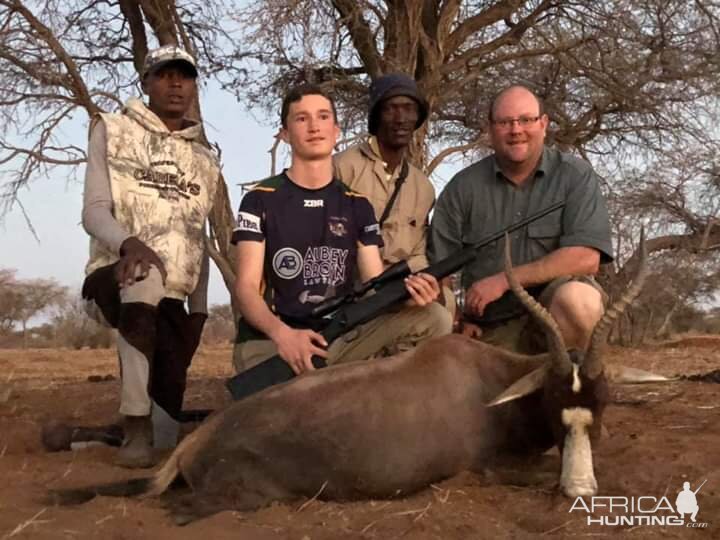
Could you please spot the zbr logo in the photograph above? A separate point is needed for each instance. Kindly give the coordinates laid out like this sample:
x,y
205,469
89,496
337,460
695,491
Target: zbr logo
x,y
287,263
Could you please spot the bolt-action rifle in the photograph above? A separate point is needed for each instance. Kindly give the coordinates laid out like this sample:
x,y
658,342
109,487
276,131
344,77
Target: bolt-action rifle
x,y
345,312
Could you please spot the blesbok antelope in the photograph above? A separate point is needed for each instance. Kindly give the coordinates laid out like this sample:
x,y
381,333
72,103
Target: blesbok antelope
x,y
390,427
574,383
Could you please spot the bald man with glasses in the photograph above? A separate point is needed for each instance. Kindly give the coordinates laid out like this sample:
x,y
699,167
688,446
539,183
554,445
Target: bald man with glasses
x,y
555,257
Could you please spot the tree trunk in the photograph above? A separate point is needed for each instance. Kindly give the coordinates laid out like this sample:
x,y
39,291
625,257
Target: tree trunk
x,y
663,331
646,326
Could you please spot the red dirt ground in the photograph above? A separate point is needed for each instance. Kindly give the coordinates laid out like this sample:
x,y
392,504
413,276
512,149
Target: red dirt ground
x,y
658,436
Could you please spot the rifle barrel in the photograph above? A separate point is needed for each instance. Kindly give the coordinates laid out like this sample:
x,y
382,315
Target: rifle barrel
x,y
701,485
350,314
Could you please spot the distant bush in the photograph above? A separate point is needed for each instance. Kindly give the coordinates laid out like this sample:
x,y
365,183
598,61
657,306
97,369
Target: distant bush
x,y
220,326
24,299
71,327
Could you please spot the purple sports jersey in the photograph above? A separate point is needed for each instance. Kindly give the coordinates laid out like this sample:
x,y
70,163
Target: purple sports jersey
x,y
311,238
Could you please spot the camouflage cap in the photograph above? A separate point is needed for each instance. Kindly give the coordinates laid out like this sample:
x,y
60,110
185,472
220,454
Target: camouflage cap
x,y
164,55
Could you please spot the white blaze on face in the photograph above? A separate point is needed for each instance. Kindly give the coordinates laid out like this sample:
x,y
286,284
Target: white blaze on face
x,y
576,385
577,477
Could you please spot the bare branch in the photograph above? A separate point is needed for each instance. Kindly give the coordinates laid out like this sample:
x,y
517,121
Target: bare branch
x,y
362,36
450,150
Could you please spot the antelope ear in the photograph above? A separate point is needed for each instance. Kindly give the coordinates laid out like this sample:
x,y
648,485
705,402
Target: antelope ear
x,y
525,385
628,375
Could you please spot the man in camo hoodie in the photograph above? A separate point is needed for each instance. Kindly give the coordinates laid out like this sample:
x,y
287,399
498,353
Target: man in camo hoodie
x,y
149,186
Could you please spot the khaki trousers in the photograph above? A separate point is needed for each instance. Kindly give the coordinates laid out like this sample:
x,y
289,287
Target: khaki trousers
x,y
383,336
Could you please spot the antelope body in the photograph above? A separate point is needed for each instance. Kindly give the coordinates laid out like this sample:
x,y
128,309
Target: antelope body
x,y
390,427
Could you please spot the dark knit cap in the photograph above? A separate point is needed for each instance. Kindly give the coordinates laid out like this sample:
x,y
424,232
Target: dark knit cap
x,y
391,85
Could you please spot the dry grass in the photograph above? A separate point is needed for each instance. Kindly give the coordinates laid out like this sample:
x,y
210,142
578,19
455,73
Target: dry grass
x,y
25,524
307,503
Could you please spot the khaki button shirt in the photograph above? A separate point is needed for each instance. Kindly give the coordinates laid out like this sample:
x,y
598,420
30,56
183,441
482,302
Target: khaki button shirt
x,y
405,230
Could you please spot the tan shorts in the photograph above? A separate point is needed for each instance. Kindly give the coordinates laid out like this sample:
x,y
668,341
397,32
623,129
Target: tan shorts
x,y
523,334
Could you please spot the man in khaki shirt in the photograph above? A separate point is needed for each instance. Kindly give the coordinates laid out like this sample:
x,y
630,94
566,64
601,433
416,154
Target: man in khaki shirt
x,y
375,166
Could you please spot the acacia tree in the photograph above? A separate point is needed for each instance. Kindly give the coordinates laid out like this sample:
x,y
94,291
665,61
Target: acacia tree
x,y
676,198
35,296
618,71
630,84
8,307
679,281
626,82
21,300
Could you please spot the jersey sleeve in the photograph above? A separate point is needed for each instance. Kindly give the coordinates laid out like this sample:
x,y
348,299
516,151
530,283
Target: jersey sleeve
x,y
250,224
368,227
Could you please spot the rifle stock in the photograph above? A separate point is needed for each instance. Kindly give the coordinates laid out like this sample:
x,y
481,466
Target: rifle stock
x,y
275,370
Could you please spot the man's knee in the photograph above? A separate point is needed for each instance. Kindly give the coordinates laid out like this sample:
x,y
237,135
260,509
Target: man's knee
x,y
434,320
442,318
148,291
577,303
101,295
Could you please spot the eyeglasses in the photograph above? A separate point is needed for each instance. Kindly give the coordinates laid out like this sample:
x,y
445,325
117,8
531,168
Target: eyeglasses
x,y
523,121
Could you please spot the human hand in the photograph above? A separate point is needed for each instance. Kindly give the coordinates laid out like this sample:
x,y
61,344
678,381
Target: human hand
x,y
134,253
483,292
423,289
297,347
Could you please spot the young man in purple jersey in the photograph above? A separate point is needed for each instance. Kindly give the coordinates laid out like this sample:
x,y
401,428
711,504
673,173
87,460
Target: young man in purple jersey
x,y
303,236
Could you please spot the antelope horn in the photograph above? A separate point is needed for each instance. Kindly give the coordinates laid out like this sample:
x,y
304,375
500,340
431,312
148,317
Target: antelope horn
x,y
593,366
561,363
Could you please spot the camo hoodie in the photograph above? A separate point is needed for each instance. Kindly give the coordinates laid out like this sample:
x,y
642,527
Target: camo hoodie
x,y
163,186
